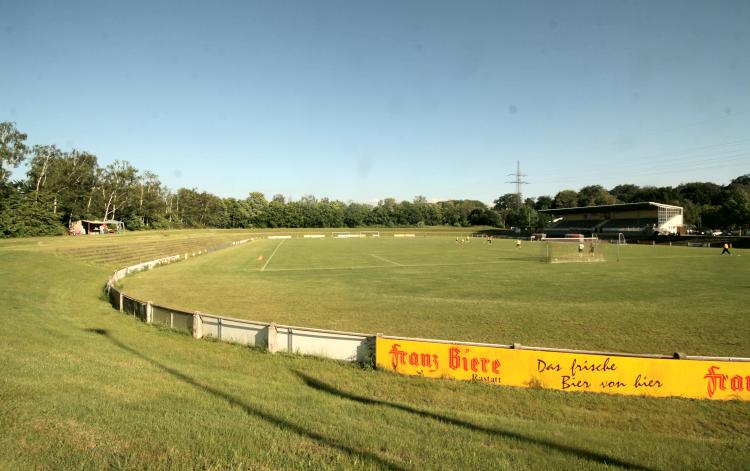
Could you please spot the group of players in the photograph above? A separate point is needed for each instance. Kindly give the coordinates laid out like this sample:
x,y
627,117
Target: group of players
x,y
487,240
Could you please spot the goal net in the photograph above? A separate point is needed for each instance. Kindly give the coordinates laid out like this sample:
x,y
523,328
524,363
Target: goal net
x,y
369,233
569,249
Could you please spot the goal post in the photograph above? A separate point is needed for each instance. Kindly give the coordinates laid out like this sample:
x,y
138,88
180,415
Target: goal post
x,y
369,233
572,249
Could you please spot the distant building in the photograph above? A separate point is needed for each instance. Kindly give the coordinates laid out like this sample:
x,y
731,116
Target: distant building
x,y
84,226
631,219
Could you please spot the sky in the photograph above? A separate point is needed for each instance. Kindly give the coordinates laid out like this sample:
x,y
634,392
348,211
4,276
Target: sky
x,y
360,101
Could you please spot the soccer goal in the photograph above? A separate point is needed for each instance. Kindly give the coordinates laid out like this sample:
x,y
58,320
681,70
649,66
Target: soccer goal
x,y
369,233
569,249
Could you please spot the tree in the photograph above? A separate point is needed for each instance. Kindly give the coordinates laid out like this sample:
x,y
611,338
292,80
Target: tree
x,y
566,199
744,180
331,212
465,207
24,215
44,158
595,195
257,207
356,214
276,211
115,185
151,208
544,202
736,207
450,212
507,202
663,194
699,193
12,148
200,209
431,214
384,213
484,217
67,178
626,193
408,214
236,212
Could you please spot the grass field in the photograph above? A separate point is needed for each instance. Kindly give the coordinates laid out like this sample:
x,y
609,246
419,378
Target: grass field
x,y
84,387
654,300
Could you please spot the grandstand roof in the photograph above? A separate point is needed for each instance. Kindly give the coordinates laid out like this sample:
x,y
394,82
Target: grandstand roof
x,y
609,207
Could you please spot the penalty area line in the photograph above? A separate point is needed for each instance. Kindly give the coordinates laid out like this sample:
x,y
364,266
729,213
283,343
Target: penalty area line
x,y
386,260
272,254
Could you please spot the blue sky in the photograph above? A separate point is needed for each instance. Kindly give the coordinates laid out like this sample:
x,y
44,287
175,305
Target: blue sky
x,y
366,100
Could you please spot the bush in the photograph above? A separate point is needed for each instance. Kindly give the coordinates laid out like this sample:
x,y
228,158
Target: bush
x,y
134,223
21,215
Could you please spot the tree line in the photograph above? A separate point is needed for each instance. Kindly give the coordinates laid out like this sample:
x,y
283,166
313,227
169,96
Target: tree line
x,y
61,187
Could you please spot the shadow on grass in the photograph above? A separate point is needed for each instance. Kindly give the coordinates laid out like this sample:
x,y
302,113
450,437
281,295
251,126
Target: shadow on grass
x,y
577,452
252,410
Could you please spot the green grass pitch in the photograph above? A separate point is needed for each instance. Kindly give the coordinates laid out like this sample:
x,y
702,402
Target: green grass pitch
x,y
85,387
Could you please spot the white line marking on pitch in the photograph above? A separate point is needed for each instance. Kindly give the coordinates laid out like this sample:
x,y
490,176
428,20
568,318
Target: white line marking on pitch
x,y
386,260
274,253
372,267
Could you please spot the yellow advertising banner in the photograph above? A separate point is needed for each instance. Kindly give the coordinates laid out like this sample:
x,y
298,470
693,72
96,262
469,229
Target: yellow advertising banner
x,y
701,379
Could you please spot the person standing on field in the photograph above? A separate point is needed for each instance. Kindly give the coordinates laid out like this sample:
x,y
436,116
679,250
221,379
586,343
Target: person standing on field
x,y
726,249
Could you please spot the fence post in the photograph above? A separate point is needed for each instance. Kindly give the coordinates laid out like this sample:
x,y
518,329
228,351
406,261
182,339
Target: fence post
x,y
121,302
197,325
149,312
272,338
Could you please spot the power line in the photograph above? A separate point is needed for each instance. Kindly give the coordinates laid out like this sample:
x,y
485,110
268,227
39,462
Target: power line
x,y
626,169
727,151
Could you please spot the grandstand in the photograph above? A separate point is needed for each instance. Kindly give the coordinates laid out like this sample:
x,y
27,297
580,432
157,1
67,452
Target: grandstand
x,y
634,220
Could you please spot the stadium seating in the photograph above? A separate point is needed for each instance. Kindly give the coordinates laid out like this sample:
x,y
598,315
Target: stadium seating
x,y
573,226
629,226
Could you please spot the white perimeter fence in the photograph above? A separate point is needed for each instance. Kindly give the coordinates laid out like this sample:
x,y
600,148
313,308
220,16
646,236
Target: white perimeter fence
x,y
337,345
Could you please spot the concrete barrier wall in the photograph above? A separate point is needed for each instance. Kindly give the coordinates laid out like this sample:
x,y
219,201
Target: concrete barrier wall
x,y
172,318
134,307
240,331
346,346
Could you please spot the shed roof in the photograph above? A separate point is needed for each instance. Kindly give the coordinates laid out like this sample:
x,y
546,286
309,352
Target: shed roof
x,y
108,221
